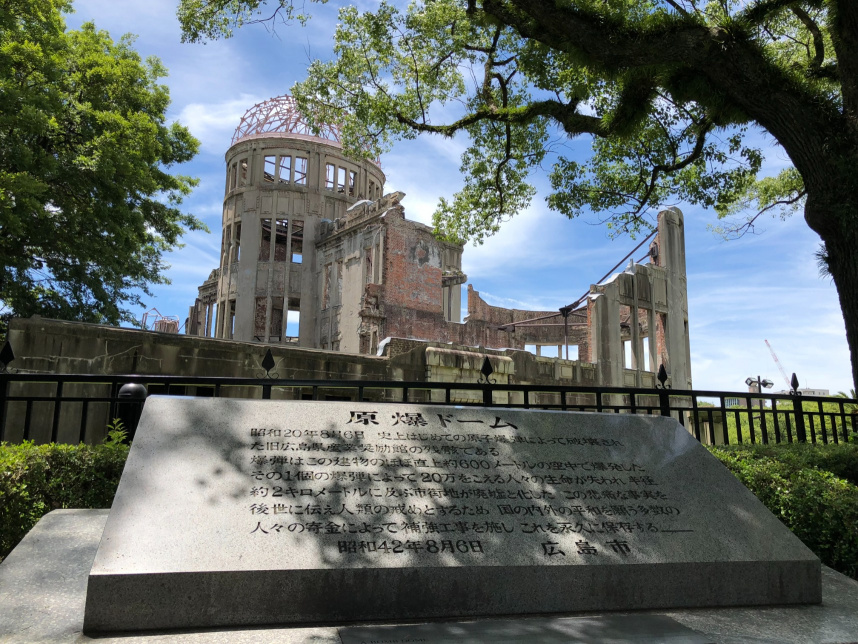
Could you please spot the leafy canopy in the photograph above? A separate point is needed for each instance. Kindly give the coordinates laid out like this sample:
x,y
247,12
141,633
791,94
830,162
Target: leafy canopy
x,y
516,76
87,204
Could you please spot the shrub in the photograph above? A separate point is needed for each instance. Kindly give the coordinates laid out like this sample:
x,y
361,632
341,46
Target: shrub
x,y
35,479
819,507
839,459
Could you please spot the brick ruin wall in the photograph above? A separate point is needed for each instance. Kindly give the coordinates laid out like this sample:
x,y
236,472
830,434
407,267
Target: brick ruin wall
x,y
408,303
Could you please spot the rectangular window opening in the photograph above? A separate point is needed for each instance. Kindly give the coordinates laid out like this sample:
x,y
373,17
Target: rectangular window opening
x,y
293,323
270,169
231,319
238,242
243,172
326,289
233,176
352,182
646,362
276,332
330,170
341,180
297,241
377,257
259,319
285,172
281,239
301,171
367,270
265,241
225,250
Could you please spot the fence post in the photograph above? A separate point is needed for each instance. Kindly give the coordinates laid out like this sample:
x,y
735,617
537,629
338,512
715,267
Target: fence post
x,y
132,396
487,381
800,431
4,391
663,394
6,356
798,410
664,402
58,401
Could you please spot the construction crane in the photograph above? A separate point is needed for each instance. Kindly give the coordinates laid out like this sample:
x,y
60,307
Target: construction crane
x,y
780,366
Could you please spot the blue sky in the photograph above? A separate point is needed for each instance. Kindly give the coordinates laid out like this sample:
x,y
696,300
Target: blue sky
x,y
763,286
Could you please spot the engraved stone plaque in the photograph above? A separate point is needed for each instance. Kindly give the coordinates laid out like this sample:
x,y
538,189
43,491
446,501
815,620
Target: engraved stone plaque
x,y
240,512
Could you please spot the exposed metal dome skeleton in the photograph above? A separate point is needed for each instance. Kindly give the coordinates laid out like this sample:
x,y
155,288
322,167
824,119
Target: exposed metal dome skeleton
x,y
280,115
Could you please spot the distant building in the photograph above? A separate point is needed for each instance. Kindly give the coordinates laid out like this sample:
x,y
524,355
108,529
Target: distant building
x,y
806,391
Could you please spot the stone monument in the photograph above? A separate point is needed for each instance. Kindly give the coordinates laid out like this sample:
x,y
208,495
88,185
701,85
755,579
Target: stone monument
x,y
240,512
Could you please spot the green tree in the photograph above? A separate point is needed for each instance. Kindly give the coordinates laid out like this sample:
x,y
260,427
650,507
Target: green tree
x,y
87,204
667,89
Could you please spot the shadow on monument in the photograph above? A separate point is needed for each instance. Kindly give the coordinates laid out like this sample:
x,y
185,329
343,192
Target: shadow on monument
x,y
347,511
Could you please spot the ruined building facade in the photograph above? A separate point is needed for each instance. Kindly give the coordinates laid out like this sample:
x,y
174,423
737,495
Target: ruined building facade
x,y
314,255
323,269
282,184
306,250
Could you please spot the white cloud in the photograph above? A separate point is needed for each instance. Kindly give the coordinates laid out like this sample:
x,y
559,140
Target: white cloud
x,y
215,123
539,303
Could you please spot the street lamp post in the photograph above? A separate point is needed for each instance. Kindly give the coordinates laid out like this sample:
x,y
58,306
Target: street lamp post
x,y
760,384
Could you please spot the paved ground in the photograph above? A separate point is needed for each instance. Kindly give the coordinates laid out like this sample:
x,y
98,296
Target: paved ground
x,y
43,590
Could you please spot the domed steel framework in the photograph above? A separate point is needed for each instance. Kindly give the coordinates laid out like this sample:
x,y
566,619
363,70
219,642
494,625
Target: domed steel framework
x,y
279,115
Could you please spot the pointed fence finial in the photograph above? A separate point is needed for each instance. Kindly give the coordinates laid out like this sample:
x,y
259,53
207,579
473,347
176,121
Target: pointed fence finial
x,y
487,370
794,384
662,377
268,363
6,356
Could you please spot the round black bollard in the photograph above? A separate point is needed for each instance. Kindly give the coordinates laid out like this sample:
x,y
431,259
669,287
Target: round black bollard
x,y
132,396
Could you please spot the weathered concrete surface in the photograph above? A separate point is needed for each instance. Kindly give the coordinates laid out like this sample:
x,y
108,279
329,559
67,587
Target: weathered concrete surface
x,y
604,629
334,512
43,586
52,346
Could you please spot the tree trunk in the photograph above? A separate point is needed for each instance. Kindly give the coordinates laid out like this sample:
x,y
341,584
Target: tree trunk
x,y
842,263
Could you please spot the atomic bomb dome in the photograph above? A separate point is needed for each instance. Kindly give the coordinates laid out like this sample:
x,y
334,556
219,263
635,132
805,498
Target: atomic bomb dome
x,y
284,182
313,254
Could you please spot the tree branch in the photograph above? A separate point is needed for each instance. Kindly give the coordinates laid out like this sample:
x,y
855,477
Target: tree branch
x,y
748,226
678,8
724,67
813,28
563,113
761,11
844,35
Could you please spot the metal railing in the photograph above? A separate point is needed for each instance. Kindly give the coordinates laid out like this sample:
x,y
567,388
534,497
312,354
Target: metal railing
x,y
74,408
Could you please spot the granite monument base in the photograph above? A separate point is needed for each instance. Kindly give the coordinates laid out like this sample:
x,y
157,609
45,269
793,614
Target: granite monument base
x,y
43,593
261,512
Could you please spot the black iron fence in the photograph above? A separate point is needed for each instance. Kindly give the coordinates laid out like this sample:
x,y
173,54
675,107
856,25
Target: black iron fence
x,y
74,408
